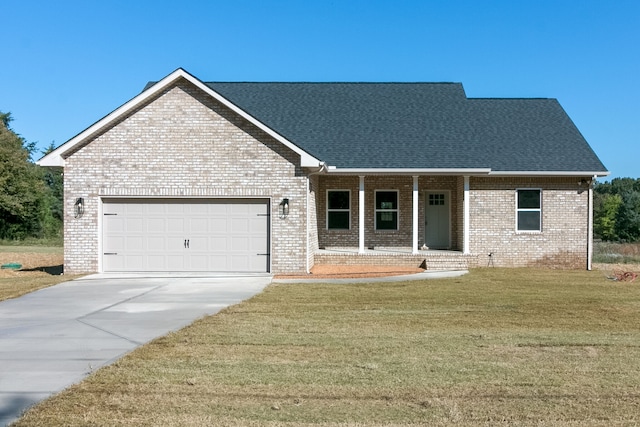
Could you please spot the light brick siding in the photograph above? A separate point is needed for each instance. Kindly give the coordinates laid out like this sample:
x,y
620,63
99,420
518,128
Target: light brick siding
x,y
185,144
563,240
313,220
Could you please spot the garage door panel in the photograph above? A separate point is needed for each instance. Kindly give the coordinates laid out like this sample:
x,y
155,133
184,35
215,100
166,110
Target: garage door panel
x,y
151,235
175,225
134,244
156,262
133,262
156,225
157,244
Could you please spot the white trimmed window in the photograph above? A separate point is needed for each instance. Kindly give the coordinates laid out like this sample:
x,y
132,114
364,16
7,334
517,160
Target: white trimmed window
x,y
529,209
386,209
338,209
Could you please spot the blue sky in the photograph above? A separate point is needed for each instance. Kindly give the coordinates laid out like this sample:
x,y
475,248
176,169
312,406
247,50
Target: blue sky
x,y
66,64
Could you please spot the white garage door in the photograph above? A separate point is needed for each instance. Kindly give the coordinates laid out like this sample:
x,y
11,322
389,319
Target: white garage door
x,y
180,235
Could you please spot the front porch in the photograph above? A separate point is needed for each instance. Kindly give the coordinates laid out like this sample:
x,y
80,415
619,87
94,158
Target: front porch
x,y
438,260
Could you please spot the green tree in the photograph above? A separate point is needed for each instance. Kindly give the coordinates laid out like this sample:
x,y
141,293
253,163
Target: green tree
x,y
53,214
628,217
605,215
616,210
21,186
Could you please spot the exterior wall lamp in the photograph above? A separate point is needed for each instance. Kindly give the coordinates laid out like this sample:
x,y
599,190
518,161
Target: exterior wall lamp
x,y
284,208
78,207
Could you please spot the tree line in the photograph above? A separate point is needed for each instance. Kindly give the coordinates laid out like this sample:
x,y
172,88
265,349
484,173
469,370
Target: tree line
x,y
31,196
616,210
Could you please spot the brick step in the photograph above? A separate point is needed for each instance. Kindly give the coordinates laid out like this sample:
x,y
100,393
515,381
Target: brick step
x,y
430,262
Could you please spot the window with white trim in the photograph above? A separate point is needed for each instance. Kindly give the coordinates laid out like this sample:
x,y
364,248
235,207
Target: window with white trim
x,y
338,209
386,209
528,209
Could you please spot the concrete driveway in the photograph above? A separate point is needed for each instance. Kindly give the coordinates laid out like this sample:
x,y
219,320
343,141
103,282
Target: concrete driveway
x,y
55,337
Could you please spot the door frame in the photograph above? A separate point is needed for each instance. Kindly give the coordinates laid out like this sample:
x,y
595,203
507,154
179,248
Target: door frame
x,y
426,207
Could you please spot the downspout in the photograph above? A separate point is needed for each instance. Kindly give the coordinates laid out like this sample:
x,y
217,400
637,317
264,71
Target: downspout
x,y
308,217
590,226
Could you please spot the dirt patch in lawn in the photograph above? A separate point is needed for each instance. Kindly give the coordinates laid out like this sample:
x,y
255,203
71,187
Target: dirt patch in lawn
x,y
329,271
620,272
33,264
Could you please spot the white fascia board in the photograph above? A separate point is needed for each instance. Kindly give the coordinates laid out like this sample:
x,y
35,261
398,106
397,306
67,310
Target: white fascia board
x,y
56,157
408,171
550,173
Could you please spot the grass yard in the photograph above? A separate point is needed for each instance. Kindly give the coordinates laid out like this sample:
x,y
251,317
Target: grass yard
x,y
41,267
494,347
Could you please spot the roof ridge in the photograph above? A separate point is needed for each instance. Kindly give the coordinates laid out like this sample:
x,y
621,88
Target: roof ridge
x,y
334,82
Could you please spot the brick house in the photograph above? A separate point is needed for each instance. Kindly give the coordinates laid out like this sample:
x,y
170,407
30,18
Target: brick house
x,y
273,177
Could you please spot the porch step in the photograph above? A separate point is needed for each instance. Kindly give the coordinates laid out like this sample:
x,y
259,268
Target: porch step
x,y
430,260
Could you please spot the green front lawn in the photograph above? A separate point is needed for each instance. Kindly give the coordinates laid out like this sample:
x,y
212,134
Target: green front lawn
x,y
494,347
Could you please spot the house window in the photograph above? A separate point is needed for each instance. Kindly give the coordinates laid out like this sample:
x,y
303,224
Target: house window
x,y
436,199
387,210
338,209
529,210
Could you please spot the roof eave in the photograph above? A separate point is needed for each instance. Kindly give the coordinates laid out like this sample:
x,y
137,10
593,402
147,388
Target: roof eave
x,y
460,171
551,173
408,171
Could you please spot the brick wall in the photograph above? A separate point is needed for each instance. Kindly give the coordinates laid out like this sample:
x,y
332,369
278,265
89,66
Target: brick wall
x,y
184,144
563,240
385,238
313,220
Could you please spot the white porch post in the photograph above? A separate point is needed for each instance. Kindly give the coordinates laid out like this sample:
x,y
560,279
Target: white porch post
x,y
414,249
361,216
466,217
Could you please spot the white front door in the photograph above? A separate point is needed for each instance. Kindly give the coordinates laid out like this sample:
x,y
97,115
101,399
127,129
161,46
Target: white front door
x,y
437,224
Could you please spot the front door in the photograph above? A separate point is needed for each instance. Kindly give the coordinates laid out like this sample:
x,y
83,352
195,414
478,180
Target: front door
x,y
437,224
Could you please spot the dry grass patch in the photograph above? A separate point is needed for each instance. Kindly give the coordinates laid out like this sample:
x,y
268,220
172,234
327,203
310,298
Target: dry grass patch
x,y
41,267
494,347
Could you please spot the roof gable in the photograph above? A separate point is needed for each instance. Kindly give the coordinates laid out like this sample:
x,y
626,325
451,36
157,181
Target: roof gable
x,y
57,156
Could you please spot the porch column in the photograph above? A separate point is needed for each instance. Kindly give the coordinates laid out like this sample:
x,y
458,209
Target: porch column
x,y
414,246
361,216
465,217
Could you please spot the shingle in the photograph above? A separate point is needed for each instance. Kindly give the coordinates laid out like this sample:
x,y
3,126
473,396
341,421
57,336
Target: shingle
x,y
416,125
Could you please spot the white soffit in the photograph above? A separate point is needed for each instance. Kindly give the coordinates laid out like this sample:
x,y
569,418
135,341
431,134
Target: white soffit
x,y
56,157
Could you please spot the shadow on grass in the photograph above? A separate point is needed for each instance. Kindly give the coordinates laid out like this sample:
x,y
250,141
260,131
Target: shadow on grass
x,y
54,270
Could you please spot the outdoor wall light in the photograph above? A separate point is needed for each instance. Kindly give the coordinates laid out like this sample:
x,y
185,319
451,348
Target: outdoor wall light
x,y
78,207
284,208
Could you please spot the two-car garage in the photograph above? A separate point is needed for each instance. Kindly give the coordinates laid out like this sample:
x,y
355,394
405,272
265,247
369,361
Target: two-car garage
x,y
185,235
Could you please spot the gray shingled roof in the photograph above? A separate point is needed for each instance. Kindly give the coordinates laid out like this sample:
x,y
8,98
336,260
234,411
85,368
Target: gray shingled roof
x,y
416,125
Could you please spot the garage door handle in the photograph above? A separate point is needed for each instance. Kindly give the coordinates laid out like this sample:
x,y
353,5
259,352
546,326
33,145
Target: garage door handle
x,y
111,253
186,243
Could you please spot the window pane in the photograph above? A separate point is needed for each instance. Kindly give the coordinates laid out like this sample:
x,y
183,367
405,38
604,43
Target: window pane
x,y
338,220
338,200
528,199
386,200
529,221
386,220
